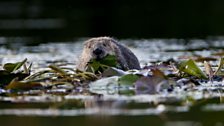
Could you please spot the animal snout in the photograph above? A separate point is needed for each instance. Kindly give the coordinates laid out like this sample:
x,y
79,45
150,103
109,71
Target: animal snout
x,y
98,51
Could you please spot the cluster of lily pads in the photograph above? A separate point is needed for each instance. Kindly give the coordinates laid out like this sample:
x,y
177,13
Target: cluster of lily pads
x,y
163,76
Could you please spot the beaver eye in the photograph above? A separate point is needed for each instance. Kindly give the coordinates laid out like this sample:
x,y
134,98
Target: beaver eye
x,y
88,46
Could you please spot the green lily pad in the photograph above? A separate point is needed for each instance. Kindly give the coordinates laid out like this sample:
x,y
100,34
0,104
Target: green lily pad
x,y
8,74
97,66
128,79
109,60
11,67
191,68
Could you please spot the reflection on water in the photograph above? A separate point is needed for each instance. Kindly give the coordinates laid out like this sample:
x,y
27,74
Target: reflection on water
x,y
111,105
32,24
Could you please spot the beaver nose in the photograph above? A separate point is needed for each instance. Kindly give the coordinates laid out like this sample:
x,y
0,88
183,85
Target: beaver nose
x,y
98,51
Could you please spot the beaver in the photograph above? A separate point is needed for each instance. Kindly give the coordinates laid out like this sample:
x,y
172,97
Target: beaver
x,y
98,48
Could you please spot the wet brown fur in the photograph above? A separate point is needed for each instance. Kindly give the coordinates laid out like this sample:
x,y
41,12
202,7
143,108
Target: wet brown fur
x,y
126,59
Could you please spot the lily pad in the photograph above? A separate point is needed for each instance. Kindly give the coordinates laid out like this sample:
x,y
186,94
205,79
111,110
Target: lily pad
x,y
107,86
8,74
109,60
11,67
128,79
191,68
100,65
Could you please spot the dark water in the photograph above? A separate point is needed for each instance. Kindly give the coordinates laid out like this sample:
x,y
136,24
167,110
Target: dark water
x,y
172,119
62,20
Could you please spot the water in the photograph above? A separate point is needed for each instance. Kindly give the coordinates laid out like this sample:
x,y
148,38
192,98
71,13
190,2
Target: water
x,y
65,105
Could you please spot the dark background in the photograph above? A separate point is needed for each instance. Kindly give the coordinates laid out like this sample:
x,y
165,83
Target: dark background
x,y
52,20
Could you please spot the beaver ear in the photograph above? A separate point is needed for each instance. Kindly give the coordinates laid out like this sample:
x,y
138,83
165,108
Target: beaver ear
x,y
113,43
113,40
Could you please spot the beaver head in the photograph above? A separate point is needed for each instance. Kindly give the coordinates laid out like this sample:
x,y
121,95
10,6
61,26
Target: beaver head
x,y
98,48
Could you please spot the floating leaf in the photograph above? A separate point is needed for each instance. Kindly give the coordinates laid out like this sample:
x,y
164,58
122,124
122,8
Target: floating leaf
x,y
6,77
11,67
219,69
191,68
8,74
37,75
152,84
94,66
208,70
57,69
112,71
15,84
105,86
27,70
85,75
109,60
128,79
100,65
